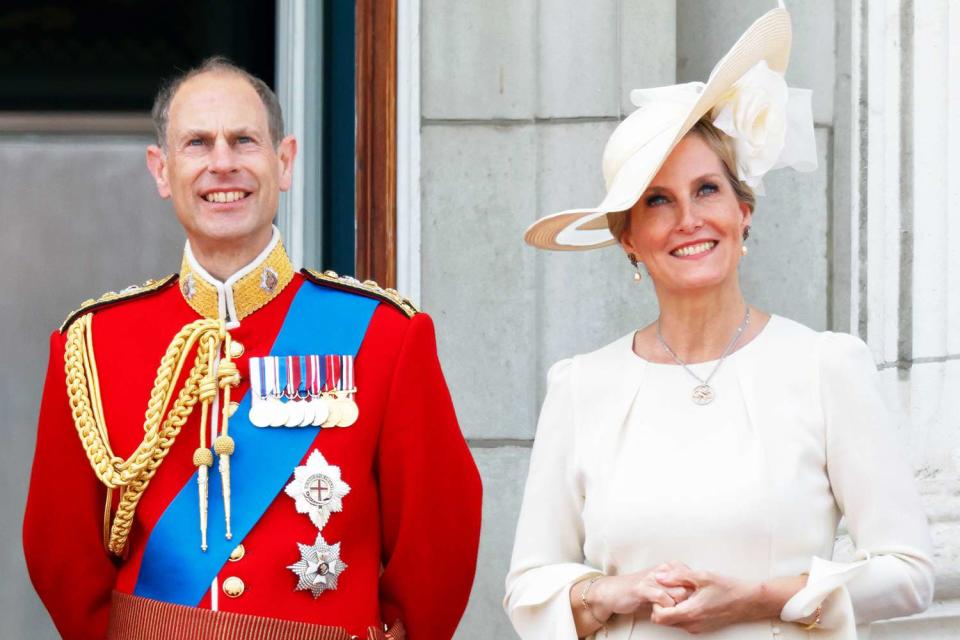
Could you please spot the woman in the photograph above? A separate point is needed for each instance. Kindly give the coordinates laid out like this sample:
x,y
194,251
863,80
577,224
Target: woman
x,y
689,478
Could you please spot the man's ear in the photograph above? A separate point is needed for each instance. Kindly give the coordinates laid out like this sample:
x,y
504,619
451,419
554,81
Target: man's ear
x,y
286,154
157,164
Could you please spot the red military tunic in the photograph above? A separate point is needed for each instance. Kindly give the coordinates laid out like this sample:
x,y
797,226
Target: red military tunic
x,y
409,526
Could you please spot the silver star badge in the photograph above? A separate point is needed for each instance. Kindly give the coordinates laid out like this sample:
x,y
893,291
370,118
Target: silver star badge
x,y
319,566
317,489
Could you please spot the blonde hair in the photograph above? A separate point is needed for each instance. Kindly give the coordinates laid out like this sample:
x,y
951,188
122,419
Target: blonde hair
x,y
722,145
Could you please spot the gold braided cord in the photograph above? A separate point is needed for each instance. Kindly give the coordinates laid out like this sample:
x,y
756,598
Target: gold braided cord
x,y
90,369
134,473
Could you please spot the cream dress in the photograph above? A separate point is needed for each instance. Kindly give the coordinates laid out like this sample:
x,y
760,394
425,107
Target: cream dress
x,y
627,472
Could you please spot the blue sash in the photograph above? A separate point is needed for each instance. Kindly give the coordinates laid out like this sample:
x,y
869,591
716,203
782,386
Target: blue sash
x,y
174,569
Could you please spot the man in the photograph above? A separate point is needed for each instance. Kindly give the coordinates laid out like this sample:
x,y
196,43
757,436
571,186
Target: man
x,y
343,502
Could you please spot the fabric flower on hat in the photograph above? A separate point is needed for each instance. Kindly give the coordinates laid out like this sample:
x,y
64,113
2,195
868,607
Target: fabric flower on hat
x,y
770,123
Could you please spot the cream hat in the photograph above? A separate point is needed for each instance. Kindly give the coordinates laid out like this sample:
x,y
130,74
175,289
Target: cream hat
x,y
772,126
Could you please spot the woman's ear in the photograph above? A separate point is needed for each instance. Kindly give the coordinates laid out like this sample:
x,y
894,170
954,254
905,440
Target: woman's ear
x,y
625,241
746,214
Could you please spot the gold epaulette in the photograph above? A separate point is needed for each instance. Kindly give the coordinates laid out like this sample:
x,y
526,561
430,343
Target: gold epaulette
x,y
110,297
367,288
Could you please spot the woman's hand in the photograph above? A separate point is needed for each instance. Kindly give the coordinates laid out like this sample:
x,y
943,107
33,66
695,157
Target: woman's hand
x,y
717,601
636,592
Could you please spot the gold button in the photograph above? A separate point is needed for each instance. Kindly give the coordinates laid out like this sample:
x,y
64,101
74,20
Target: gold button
x,y
237,553
236,349
233,587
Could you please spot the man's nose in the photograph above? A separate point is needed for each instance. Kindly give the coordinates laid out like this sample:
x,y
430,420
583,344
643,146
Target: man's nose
x,y
223,157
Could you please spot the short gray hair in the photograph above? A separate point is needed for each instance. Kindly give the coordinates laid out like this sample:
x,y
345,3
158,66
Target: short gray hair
x,y
217,64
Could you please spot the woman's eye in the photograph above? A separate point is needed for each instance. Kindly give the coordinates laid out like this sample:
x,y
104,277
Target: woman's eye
x,y
708,188
653,201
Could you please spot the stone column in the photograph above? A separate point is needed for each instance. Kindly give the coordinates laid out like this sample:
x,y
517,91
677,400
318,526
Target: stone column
x,y
898,162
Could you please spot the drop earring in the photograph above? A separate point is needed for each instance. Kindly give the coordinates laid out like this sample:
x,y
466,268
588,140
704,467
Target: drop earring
x,y
746,234
636,265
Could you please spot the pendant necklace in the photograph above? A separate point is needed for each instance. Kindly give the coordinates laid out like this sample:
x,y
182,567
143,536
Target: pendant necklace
x,y
703,393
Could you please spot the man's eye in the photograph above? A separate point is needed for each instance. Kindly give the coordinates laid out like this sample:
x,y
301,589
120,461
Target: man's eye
x,y
195,142
244,139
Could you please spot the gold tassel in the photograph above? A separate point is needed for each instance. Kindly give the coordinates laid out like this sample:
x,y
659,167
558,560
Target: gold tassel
x,y
224,445
107,518
202,458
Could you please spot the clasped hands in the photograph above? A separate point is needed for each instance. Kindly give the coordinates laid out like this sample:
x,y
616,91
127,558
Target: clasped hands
x,y
675,595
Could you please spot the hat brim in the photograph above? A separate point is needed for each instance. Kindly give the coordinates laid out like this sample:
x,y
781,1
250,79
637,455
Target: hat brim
x,y
767,39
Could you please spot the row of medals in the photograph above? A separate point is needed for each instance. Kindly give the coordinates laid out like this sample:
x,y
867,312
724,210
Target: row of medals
x,y
328,409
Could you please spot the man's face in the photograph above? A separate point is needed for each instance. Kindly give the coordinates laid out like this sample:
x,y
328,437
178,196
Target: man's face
x,y
220,166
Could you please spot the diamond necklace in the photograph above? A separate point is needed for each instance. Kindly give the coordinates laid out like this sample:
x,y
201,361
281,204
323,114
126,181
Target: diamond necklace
x,y
703,393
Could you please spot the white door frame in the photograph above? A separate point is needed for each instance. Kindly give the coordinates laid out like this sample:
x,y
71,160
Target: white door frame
x,y
408,148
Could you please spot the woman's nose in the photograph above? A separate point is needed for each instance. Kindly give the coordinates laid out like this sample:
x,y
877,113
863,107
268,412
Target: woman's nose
x,y
688,219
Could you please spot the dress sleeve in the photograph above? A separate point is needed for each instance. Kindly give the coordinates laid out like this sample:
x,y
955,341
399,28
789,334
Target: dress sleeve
x,y
430,496
548,550
63,523
874,488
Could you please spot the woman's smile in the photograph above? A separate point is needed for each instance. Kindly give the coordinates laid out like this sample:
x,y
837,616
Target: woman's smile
x,y
694,250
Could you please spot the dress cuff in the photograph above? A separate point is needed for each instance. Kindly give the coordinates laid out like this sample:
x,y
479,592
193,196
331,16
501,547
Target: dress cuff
x,y
539,602
826,588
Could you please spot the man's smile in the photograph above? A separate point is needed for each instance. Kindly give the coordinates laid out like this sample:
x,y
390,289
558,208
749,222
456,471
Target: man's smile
x,y
225,196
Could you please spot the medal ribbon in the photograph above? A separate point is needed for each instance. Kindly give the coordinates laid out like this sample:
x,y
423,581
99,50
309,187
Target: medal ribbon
x,y
303,380
322,372
173,568
281,377
256,377
346,378
313,363
332,383
293,377
271,384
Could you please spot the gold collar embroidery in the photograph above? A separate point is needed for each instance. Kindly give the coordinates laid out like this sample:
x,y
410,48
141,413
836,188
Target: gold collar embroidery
x,y
244,292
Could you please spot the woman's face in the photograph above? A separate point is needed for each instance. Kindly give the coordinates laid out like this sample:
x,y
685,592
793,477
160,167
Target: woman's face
x,y
687,227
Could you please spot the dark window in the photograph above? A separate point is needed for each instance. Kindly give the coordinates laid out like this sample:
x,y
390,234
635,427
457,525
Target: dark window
x,y
339,137
111,55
